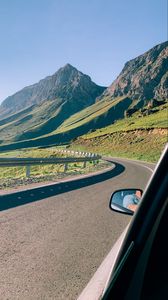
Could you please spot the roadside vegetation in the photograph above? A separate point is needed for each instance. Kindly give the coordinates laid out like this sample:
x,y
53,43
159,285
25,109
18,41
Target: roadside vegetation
x,y
36,152
157,119
137,137
13,177
140,136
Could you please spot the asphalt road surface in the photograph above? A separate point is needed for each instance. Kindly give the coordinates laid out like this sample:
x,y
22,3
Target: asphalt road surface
x,y
50,249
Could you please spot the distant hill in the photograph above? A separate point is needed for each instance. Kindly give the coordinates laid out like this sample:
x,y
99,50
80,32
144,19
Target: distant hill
x,y
68,104
40,108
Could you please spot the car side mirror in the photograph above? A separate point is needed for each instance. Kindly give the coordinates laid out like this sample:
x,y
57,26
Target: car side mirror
x,y
126,201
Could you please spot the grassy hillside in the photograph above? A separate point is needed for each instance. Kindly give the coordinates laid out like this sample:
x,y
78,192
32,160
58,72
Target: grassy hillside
x,y
29,119
67,105
139,136
42,121
52,100
96,116
136,137
96,110
157,119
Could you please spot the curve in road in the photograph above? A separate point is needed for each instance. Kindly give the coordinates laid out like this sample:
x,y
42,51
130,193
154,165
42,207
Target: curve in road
x,y
39,193
50,249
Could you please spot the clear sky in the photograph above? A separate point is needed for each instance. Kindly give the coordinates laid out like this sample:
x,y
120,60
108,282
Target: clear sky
x,y
37,37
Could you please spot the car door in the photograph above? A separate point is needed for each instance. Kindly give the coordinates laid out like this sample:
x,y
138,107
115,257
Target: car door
x,y
140,271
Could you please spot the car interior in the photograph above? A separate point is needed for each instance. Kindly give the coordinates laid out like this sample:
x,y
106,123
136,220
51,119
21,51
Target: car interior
x,y
156,275
141,272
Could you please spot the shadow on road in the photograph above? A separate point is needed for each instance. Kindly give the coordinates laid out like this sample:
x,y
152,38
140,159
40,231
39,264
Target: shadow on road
x,y
40,193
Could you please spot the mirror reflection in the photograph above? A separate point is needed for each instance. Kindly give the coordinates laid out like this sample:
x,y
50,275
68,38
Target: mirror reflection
x,y
126,200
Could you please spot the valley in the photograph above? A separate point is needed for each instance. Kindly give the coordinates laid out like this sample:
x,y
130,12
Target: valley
x,y
128,118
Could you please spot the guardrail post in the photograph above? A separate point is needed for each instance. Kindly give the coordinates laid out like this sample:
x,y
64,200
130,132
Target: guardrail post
x,y
28,171
94,162
84,164
65,167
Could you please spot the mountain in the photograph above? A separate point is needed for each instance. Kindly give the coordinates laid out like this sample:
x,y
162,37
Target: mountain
x,y
141,86
40,108
66,85
143,78
75,105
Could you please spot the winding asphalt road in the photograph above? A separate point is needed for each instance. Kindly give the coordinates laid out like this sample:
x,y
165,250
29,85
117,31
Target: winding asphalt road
x,y
50,249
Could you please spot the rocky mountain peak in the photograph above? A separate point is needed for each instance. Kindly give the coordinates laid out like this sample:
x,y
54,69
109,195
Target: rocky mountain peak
x,y
68,67
144,77
67,84
67,75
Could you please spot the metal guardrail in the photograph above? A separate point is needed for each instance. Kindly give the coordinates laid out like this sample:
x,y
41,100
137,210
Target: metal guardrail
x,y
31,195
10,162
28,162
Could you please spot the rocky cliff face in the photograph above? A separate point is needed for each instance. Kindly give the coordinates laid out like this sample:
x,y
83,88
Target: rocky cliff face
x,y
67,84
144,77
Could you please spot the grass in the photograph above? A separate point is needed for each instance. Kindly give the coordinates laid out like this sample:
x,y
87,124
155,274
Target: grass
x,y
39,117
19,172
36,152
137,137
140,137
142,145
88,114
13,176
85,116
27,120
158,119
16,176
98,115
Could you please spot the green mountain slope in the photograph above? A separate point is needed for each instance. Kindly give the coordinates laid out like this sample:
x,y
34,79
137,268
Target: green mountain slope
x,y
39,109
95,116
139,137
80,106
26,120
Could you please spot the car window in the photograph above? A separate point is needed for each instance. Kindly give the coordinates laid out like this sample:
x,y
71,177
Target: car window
x,y
83,116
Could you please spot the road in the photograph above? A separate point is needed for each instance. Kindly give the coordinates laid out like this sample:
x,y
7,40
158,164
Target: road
x,y
50,249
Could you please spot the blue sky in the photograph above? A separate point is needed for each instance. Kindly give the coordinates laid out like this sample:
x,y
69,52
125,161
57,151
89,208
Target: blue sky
x,y
97,37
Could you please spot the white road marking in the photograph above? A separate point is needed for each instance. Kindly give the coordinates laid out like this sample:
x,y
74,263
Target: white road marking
x,y
135,162
151,170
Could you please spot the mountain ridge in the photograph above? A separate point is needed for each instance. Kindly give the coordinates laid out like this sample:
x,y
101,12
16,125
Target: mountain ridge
x,y
143,78
67,84
77,109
